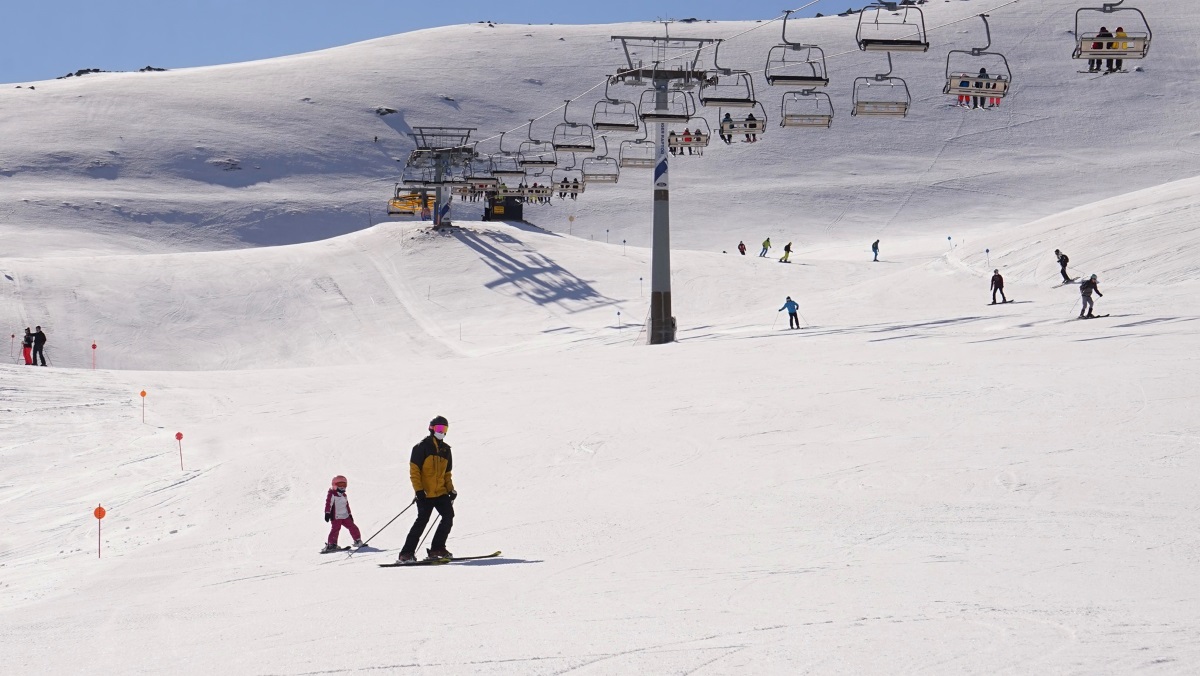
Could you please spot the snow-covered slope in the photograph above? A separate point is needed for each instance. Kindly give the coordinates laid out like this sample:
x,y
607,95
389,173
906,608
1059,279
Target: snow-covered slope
x,y
916,482
148,154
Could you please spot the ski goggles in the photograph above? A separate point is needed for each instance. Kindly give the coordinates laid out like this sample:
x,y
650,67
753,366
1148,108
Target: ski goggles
x,y
340,484
440,429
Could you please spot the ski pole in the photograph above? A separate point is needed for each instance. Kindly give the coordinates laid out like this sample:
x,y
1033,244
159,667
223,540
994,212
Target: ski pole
x,y
776,321
802,317
351,553
427,532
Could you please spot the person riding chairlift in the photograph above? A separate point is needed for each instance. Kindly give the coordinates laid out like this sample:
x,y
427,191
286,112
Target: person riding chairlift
x,y
751,135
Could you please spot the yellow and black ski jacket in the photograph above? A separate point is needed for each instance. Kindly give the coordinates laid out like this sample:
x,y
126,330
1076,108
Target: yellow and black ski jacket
x,y
430,467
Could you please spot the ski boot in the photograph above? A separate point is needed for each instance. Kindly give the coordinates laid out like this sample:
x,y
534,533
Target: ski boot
x,y
405,558
442,553
358,544
329,548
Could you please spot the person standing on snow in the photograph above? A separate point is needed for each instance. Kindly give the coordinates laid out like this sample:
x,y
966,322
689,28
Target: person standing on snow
x,y
1085,290
998,285
792,307
787,251
766,246
39,346
27,347
742,248
337,512
429,468
875,250
1062,263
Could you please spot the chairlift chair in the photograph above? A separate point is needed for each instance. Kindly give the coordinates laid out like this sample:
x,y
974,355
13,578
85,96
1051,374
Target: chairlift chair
x,y
737,92
698,136
680,107
573,137
806,108
794,63
613,114
601,168
882,95
1133,45
892,28
638,154
480,171
743,124
575,180
971,82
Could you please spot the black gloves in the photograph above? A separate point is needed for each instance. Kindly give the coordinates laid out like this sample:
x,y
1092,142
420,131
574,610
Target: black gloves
x,y
453,494
328,516
420,495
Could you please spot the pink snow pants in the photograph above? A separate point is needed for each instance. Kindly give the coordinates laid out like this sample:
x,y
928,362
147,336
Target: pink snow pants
x,y
337,528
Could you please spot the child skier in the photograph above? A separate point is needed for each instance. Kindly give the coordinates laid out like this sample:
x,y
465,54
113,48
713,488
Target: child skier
x,y
337,512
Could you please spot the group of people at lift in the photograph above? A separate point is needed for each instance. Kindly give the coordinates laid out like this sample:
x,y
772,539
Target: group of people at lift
x,y
693,141
977,101
1110,65
728,125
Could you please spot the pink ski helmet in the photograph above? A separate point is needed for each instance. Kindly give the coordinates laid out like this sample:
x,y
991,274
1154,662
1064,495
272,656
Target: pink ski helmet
x,y
339,479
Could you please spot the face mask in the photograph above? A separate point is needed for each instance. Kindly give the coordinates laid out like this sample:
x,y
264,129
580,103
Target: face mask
x,y
439,435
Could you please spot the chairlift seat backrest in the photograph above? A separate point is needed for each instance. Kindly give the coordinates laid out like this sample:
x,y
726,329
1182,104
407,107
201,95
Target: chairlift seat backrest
x,y
797,79
1131,46
967,84
905,45
807,120
742,126
881,108
690,140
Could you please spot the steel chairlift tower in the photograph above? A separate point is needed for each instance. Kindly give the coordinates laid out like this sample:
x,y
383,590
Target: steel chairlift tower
x,y
673,68
445,148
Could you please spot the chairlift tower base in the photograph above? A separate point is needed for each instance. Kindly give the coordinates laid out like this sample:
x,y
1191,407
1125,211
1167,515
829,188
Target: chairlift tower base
x,y
447,146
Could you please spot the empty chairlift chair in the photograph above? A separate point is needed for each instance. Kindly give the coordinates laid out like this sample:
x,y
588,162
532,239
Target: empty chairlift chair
x,y
536,154
795,64
573,137
890,27
678,107
1095,44
881,95
806,108
985,74
612,114
601,168
637,154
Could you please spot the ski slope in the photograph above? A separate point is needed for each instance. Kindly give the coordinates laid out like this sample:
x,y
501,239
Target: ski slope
x,y
915,482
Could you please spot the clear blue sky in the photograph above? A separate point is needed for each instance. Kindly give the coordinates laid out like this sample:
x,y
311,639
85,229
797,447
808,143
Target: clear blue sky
x,y
43,39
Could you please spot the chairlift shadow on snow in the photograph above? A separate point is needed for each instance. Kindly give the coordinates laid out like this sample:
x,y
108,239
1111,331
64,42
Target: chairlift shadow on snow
x,y
529,274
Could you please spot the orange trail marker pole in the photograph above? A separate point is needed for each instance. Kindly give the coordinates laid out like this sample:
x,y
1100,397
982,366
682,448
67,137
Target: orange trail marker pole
x,y
143,393
93,356
99,514
179,438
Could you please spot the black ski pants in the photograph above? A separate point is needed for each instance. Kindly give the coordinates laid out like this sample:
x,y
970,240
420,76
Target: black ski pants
x,y
1000,290
444,507
793,321
39,353
1066,277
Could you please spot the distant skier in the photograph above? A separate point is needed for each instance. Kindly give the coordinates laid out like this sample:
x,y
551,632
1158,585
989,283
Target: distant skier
x,y
742,248
27,347
1062,263
337,512
998,285
766,247
1085,290
875,250
787,251
39,346
429,468
793,308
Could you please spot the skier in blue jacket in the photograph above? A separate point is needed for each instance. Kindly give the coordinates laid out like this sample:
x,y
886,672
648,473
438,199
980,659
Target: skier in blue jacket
x,y
792,307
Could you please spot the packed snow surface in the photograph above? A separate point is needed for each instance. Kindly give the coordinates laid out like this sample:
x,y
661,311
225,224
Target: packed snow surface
x,y
915,481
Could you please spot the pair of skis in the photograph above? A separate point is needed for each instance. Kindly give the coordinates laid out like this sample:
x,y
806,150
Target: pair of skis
x,y
438,562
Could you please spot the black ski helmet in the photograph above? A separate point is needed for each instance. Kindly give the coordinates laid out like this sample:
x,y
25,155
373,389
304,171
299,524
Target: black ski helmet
x,y
439,420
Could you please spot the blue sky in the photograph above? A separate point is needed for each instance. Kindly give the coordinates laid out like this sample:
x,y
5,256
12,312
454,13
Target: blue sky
x,y
43,39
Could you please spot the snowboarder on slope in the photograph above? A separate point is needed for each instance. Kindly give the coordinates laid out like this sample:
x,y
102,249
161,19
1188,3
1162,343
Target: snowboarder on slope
x,y
787,251
792,307
766,245
39,346
429,469
742,248
1085,290
27,347
875,250
998,285
1062,262
337,512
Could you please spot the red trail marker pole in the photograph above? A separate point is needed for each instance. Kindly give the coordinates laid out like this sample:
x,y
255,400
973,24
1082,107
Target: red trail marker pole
x,y
99,514
179,438
143,393
93,356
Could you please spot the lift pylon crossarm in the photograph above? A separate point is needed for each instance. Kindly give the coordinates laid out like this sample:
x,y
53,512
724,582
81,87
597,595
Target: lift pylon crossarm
x,y
1098,44
892,28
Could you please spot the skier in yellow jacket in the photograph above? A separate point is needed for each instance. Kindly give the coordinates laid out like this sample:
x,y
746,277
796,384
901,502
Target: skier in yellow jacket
x,y
430,467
